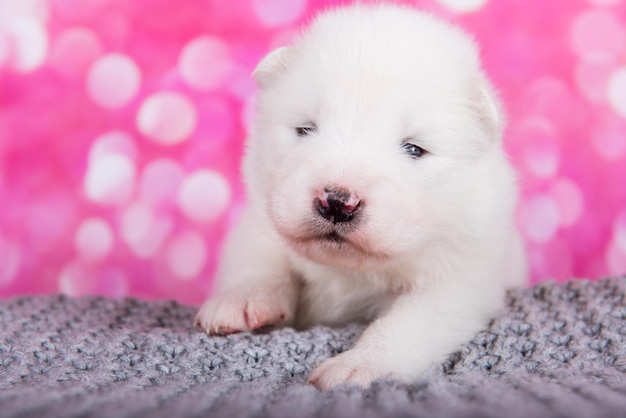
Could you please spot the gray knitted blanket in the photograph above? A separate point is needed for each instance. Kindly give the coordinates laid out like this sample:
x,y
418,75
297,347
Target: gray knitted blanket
x,y
556,351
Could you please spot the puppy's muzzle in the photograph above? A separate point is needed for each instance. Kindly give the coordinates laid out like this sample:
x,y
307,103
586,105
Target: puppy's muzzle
x,y
337,204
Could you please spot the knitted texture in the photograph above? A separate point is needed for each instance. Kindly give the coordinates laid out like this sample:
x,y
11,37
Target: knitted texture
x,y
556,350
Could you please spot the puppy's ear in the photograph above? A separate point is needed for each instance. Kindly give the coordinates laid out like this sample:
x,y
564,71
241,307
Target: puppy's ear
x,y
272,65
488,110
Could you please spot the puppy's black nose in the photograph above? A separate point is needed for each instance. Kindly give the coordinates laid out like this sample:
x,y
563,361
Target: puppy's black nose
x,y
337,205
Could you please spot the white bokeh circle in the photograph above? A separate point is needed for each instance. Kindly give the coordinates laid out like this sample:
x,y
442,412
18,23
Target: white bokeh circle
x,y
168,118
94,240
569,199
617,91
28,43
143,231
539,218
205,63
113,81
463,6
110,179
276,13
204,196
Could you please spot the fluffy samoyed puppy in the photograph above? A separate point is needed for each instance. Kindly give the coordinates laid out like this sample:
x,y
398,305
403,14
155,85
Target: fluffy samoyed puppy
x,y
378,190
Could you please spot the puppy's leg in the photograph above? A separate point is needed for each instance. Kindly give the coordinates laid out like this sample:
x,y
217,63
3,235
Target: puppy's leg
x,y
255,288
419,329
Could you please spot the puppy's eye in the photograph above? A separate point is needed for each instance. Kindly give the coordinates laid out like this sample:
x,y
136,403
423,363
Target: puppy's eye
x,y
306,129
413,151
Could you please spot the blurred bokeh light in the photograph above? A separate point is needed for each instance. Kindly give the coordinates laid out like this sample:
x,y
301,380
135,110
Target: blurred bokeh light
x,y
122,124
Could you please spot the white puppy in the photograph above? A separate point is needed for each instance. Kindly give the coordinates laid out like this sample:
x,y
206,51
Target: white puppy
x,y
378,190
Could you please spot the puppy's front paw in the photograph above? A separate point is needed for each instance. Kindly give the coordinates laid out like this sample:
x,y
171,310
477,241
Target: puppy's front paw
x,y
242,311
351,367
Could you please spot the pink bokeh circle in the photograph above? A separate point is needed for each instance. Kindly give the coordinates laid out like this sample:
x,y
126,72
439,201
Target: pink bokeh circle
x,y
74,51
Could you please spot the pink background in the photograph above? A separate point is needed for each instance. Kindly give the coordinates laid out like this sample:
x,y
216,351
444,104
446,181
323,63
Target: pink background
x,y
122,122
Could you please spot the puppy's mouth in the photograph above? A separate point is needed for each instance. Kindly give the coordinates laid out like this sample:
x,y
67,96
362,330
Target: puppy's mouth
x,y
334,247
332,244
332,236
335,241
335,236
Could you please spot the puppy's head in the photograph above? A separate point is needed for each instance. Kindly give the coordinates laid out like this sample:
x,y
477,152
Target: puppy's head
x,y
377,139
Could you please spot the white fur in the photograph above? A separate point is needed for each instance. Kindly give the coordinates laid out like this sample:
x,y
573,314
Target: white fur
x,y
435,245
